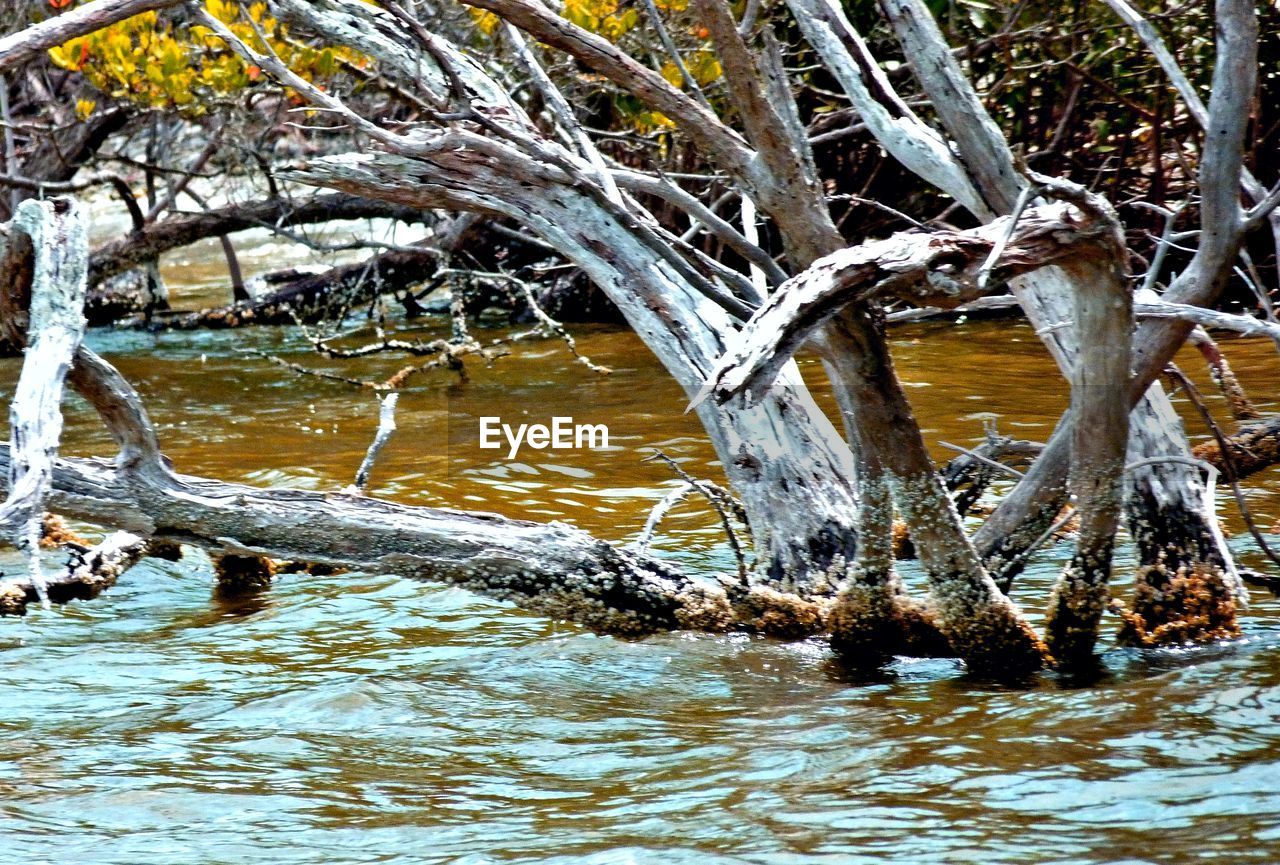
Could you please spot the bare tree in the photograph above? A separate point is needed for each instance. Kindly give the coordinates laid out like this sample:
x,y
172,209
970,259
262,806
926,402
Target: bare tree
x,y
820,508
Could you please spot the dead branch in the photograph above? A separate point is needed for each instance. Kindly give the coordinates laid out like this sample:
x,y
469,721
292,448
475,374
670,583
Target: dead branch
x,y
942,267
1254,448
27,44
1245,325
57,239
1224,376
386,428
90,572
552,569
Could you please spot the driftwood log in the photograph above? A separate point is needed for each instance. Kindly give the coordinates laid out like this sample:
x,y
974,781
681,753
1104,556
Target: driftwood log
x,y
92,571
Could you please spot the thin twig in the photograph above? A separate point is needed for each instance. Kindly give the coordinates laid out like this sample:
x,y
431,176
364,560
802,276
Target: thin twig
x,y
1010,470
722,501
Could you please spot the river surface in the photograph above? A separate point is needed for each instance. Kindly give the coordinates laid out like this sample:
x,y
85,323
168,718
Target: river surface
x,y
362,719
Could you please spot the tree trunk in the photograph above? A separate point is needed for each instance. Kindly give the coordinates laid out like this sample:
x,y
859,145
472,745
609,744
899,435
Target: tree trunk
x,y
783,458
984,178
53,236
1104,321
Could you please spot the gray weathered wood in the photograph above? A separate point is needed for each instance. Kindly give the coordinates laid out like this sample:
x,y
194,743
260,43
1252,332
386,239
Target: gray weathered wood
x,y
25,45
553,569
943,268
59,250
91,573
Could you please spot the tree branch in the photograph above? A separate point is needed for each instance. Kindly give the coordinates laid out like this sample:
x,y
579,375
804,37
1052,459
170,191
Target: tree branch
x,y
27,44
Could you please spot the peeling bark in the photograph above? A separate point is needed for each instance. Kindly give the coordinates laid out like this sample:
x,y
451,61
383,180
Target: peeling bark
x,y
54,326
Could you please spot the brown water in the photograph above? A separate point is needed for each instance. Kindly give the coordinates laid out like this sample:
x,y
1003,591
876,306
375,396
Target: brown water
x,y
355,719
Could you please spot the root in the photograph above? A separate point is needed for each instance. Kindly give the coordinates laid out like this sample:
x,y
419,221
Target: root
x,y
238,575
1194,604
56,533
778,614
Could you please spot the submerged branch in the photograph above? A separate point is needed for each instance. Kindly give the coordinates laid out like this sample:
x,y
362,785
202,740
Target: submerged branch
x,y
90,573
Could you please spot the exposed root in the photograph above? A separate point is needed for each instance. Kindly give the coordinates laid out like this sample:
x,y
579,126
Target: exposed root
x,y
1191,605
870,625
55,533
243,574
779,614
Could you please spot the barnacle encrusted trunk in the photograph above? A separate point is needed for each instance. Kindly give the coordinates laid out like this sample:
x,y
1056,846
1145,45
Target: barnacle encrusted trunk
x,y
873,617
1177,539
1172,607
982,625
1099,390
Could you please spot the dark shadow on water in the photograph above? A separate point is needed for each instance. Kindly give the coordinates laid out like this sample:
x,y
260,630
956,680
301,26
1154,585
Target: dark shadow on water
x,y
1113,667
237,604
839,670
1090,674
992,684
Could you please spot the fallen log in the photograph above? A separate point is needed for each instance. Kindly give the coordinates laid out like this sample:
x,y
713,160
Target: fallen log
x,y
553,569
308,299
139,247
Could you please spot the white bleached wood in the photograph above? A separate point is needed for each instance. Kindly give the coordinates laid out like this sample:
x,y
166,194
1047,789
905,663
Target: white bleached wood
x,y
55,327
29,43
926,268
